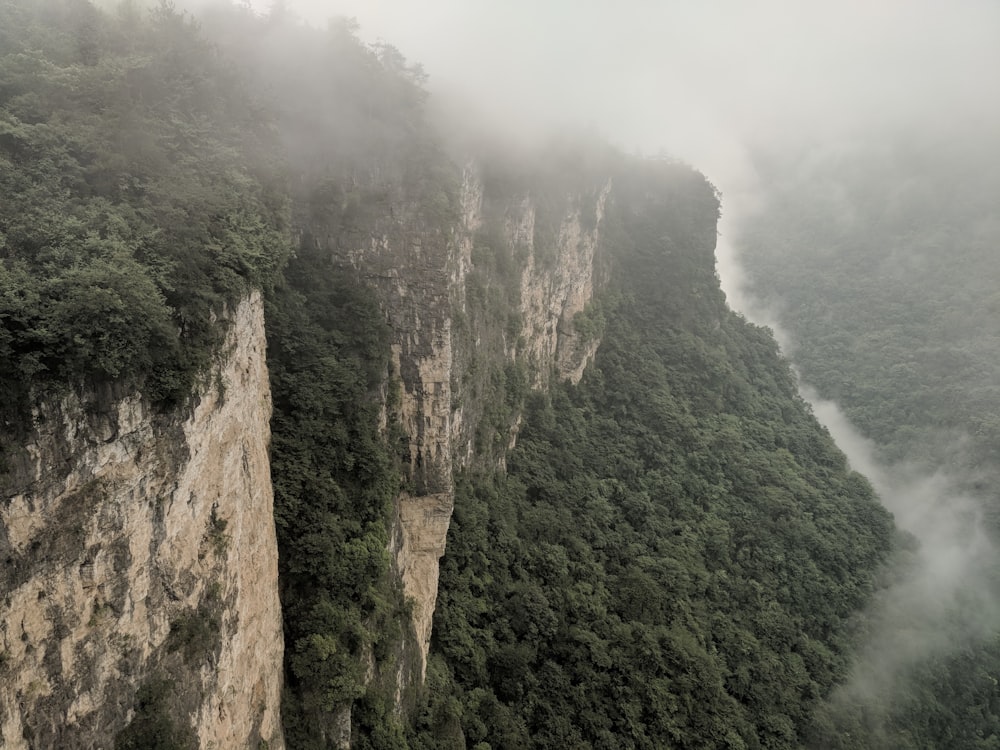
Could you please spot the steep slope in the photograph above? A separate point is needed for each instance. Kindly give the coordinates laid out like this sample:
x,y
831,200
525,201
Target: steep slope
x,y
447,320
139,599
670,505
419,291
676,550
881,258
453,330
426,301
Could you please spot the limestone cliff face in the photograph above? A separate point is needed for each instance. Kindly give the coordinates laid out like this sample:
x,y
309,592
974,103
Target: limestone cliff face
x,y
436,290
140,558
553,291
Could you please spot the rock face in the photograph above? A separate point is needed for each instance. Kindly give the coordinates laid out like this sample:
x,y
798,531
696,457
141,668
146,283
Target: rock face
x,y
552,293
140,559
448,343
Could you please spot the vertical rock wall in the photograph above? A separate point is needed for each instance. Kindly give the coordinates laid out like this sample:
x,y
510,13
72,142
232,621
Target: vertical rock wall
x,y
139,553
555,291
421,274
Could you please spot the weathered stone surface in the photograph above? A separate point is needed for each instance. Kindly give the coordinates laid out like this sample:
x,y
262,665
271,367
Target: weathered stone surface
x,y
421,275
422,528
553,293
124,525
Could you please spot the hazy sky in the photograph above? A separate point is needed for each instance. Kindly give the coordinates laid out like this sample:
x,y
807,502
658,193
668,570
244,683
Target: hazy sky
x,y
696,78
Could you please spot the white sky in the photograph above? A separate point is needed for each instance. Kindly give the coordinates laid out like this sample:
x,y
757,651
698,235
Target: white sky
x,y
693,78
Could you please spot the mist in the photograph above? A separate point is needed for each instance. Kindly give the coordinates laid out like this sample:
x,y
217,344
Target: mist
x,y
720,86
712,84
703,82
944,598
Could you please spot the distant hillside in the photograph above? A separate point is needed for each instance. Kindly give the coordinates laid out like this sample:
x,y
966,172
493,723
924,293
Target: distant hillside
x,y
883,263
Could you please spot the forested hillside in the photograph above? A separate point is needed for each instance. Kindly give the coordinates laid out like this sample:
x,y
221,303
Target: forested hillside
x,y
674,554
140,207
881,260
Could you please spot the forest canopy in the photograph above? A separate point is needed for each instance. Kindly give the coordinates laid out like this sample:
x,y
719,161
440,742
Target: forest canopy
x,y
676,553
137,197
880,260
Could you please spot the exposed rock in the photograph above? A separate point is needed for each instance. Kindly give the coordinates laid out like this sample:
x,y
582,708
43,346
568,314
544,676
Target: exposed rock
x,y
552,293
422,277
138,547
421,530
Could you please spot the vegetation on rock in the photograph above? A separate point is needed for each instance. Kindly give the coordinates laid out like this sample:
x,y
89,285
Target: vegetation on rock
x,y
676,553
135,200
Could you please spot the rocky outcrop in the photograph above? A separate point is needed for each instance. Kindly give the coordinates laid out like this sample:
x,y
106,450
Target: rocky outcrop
x,y
447,343
420,531
553,292
140,560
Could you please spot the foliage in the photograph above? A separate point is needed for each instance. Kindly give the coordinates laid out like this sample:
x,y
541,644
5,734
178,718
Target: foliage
x,y
196,633
334,483
133,208
153,727
351,123
144,173
590,322
349,116
888,282
677,551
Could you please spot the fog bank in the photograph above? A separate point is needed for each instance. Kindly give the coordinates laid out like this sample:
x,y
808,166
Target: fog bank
x,y
702,81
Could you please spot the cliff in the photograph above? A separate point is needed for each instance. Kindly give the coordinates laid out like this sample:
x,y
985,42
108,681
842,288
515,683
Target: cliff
x,y
470,301
140,575
662,562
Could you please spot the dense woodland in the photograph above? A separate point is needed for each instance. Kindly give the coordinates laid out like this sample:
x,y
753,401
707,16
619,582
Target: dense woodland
x,y
677,555
881,261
